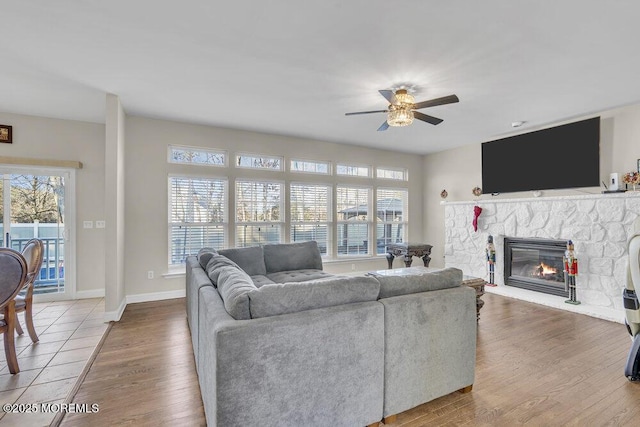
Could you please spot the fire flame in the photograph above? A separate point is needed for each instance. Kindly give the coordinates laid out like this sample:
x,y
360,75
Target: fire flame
x,y
546,269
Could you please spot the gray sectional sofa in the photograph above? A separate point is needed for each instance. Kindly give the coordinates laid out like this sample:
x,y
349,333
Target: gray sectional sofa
x,y
280,342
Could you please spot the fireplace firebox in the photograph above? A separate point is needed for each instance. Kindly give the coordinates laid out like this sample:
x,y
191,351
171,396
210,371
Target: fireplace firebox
x,y
535,264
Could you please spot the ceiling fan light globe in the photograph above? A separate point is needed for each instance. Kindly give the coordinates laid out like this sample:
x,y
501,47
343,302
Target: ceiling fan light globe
x,y
400,117
402,97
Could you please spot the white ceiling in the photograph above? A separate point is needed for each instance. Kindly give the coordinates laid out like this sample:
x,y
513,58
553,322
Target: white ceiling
x,y
295,67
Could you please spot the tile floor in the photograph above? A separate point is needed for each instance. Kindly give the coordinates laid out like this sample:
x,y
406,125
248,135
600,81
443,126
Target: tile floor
x,y
69,332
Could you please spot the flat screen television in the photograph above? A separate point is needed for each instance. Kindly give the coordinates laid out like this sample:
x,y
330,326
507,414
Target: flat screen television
x,y
566,156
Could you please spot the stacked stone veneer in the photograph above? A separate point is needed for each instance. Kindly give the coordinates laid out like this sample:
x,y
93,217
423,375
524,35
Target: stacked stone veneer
x,y
599,225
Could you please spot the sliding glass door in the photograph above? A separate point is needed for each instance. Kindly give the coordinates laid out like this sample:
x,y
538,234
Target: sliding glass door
x,y
35,204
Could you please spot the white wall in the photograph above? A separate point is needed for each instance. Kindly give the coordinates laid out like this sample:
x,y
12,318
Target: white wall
x,y
115,176
147,171
43,138
460,169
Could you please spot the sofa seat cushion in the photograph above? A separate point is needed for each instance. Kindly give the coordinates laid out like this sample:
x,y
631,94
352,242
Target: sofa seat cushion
x,y
234,286
298,275
250,259
292,297
292,256
411,283
259,280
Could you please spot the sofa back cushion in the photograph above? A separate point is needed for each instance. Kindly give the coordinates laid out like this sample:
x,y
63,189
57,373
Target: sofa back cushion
x,y
250,259
403,284
283,298
292,256
214,267
204,255
234,286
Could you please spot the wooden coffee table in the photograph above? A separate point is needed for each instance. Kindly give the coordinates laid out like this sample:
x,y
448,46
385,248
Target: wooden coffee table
x,y
476,283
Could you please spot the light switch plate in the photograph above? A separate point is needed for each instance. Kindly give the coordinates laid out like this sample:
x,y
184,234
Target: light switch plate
x,y
100,224
87,224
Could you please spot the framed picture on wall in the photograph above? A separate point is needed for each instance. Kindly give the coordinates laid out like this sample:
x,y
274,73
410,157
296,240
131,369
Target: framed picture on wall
x,y
5,134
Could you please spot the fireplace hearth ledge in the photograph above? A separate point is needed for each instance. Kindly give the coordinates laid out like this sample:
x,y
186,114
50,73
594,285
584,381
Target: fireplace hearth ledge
x,y
554,301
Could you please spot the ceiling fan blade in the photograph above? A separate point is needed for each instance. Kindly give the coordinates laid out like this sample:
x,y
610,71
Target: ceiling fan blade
x,y
389,95
383,126
425,118
366,112
438,101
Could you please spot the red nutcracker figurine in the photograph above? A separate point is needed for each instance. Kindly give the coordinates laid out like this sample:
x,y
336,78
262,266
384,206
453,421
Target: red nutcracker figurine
x,y
570,273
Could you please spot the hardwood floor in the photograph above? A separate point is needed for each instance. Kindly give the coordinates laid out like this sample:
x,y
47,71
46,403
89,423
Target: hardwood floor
x,y
535,365
144,373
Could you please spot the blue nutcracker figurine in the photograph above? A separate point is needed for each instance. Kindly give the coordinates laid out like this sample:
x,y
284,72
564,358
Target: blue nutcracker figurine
x,y
490,252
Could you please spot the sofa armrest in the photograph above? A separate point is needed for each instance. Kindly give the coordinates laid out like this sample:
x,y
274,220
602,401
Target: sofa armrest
x,y
430,346
318,367
196,278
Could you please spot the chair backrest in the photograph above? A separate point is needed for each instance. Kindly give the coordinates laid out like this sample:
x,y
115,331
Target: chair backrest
x,y
13,274
33,253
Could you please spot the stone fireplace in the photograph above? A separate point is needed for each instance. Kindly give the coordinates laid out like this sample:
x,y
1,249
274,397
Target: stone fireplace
x,y
598,224
535,264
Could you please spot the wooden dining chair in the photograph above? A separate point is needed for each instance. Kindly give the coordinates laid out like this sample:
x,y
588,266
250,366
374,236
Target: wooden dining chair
x,y
33,252
13,276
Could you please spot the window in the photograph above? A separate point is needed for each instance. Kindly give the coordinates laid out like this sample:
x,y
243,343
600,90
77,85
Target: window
x,y
398,174
352,207
197,156
353,170
310,207
197,217
391,217
273,163
310,167
258,212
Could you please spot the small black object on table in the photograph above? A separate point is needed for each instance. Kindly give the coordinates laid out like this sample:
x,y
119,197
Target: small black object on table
x,y
408,250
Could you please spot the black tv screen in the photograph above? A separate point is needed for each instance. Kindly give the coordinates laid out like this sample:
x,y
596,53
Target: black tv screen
x,y
566,156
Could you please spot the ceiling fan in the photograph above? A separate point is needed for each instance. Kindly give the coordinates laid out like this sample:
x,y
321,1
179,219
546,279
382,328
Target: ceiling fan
x,y
402,106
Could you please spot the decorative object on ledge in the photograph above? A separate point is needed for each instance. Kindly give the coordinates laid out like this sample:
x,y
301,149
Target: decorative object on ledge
x,y
537,193
490,252
408,250
477,210
444,194
632,178
570,273
476,191
6,134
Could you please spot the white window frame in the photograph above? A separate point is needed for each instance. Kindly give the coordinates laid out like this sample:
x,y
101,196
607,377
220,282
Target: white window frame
x,y
329,221
224,224
384,222
368,221
382,169
216,151
279,223
317,162
353,165
255,156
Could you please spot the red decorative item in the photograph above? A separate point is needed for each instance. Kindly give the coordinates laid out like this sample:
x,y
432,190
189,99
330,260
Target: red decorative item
x,y
477,210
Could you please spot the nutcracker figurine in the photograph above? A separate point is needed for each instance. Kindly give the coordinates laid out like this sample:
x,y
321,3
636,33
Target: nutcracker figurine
x,y
570,273
490,252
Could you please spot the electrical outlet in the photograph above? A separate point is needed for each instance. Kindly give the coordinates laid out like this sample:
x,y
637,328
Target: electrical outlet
x,y
87,224
353,267
150,274
100,224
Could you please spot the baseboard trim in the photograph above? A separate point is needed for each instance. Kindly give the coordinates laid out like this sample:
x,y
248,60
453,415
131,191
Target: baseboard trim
x,y
93,293
114,316
156,296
